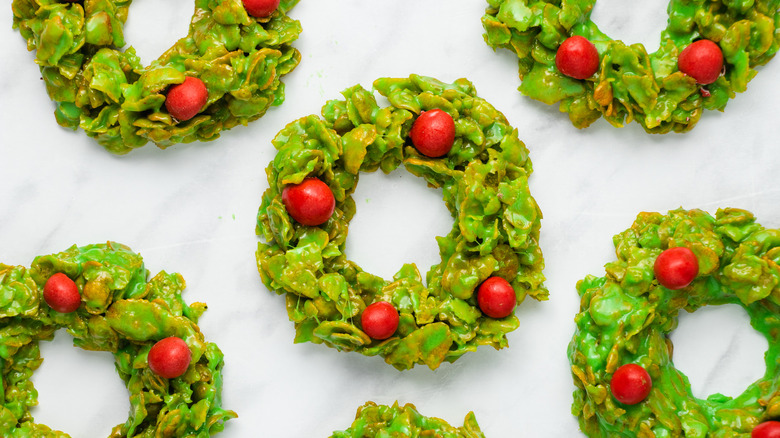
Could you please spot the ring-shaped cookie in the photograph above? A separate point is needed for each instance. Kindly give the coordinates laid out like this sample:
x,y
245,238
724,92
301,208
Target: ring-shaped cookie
x,y
115,99
484,180
121,311
631,84
626,317
381,420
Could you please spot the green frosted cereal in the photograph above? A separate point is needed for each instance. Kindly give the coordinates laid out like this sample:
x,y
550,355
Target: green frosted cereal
x,y
631,84
484,180
124,312
626,317
374,420
113,98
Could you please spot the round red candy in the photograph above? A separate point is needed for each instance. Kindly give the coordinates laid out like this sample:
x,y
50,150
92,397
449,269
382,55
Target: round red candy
x,y
767,429
260,8
676,268
379,320
630,384
496,297
433,133
185,100
169,357
577,58
702,60
310,203
61,293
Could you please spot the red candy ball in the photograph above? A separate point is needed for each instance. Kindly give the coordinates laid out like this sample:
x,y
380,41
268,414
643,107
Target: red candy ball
x,y
630,384
496,297
310,202
380,320
767,429
676,268
169,357
61,293
702,60
185,100
433,133
577,58
260,8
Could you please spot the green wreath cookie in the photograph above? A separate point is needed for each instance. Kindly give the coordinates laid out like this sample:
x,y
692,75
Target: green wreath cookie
x,y
374,420
116,308
621,355
233,63
484,179
624,83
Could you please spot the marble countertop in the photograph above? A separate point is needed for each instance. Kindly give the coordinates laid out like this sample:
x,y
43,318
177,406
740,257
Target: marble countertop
x,y
191,209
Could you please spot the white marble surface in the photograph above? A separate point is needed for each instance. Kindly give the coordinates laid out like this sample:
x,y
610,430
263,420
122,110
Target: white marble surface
x,y
191,209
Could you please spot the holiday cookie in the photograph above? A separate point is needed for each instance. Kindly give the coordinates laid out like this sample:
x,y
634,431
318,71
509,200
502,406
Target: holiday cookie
x,y
226,71
102,295
708,53
456,141
621,354
405,421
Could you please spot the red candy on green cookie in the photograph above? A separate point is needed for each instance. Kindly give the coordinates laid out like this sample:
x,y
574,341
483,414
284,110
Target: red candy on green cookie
x,y
185,100
169,357
380,320
433,133
310,203
61,293
630,384
577,58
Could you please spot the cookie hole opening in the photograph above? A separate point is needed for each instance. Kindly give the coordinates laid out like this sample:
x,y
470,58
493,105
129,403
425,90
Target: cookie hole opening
x,y
396,221
152,27
79,391
719,351
632,22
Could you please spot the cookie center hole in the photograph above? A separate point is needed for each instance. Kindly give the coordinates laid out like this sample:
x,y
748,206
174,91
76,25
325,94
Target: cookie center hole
x,y
397,219
79,391
718,350
632,22
152,27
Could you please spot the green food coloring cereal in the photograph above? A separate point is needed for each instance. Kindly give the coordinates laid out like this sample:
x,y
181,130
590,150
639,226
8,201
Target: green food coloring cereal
x,y
484,180
374,420
630,83
108,93
121,311
626,318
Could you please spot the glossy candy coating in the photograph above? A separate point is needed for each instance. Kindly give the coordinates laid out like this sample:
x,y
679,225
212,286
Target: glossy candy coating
x,y
169,357
630,384
484,183
496,298
702,60
61,293
405,421
106,91
185,100
260,8
379,320
675,268
626,318
577,58
433,133
123,311
310,203
767,429
631,84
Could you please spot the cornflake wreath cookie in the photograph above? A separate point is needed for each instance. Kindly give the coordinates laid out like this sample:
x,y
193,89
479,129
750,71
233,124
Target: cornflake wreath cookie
x,y
102,295
225,72
305,214
374,420
708,52
621,355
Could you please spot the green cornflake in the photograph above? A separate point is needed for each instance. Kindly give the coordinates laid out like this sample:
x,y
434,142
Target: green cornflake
x,y
630,84
374,420
119,102
123,312
626,317
484,180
